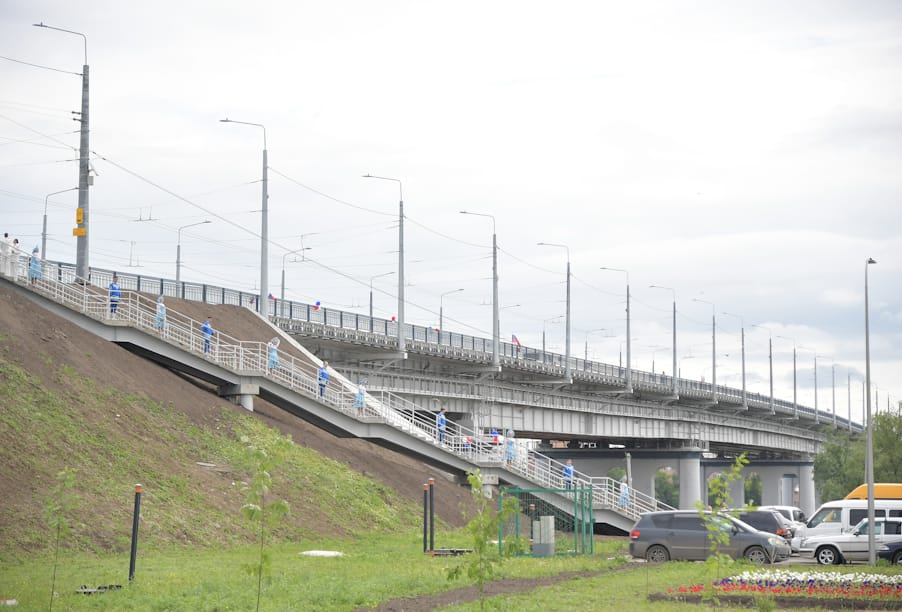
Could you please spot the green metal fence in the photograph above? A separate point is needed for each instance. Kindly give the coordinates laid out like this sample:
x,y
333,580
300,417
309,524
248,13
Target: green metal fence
x,y
574,527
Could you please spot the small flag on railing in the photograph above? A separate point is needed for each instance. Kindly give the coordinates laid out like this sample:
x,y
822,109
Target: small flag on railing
x,y
516,341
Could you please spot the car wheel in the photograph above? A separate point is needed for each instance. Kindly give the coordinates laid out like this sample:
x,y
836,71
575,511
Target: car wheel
x,y
756,554
897,558
827,556
657,554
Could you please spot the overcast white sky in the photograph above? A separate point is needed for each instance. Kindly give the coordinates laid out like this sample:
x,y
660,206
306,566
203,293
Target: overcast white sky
x,y
746,154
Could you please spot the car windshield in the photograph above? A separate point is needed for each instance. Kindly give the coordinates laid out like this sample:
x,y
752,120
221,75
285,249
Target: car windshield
x,y
825,515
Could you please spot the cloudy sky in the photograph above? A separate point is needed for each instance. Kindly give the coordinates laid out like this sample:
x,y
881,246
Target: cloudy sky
x,y
744,154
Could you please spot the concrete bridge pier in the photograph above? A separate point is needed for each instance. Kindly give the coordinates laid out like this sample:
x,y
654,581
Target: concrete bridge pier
x,y
241,394
690,480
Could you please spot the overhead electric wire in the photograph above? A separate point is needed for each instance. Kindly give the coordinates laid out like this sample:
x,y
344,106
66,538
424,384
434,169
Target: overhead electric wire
x,y
10,59
47,136
327,196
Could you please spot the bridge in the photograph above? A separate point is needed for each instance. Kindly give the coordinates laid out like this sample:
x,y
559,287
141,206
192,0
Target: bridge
x,y
594,417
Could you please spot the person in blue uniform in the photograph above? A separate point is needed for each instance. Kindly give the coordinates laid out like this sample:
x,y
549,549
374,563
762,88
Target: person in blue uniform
x,y
115,295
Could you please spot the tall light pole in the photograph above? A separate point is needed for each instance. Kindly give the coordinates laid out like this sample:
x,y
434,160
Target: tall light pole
x,y
745,404
682,359
770,361
795,387
178,249
552,319
372,278
849,394
441,312
402,348
833,381
282,293
589,333
833,387
567,357
44,231
82,266
654,351
629,363
674,370
496,316
713,348
869,454
816,411
264,231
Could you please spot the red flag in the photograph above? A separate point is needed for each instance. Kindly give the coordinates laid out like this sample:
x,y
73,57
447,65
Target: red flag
x,y
516,341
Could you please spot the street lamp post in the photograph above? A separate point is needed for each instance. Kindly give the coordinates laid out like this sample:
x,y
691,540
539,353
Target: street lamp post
x,y
402,349
673,291
372,278
869,454
770,361
441,312
567,357
496,317
833,387
629,364
589,333
745,404
81,244
282,292
713,348
44,231
813,352
178,249
682,359
654,351
263,302
557,318
795,387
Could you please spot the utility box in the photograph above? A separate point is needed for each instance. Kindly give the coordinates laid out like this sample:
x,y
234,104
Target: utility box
x,y
543,537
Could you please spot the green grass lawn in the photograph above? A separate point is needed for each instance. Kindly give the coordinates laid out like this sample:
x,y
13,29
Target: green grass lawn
x,y
373,570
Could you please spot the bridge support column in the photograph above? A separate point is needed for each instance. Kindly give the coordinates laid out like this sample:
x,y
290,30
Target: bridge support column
x,y
690,480
737,491
806,488
787,490
771,484
240,394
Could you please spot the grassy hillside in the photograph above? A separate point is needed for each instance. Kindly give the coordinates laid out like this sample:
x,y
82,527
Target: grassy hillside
x,y
69,400
114,440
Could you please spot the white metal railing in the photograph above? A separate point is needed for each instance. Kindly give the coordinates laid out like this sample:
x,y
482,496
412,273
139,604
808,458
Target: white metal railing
x,y
300,375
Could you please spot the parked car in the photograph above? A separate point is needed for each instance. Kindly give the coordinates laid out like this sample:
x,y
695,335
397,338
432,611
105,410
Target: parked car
x,y
891,551
836,517
793,514
852,546
767,520
682,534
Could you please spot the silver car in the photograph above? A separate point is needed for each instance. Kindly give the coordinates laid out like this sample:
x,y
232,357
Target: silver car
x,y
682,534
852,546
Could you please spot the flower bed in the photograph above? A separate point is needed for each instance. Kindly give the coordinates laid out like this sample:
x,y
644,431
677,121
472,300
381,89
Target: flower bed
x,y
824,589
815,583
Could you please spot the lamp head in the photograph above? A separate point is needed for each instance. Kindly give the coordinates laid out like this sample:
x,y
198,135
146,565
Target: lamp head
x,y
871,260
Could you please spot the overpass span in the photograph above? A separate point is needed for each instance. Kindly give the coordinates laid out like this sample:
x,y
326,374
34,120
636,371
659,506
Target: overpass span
x,y
528,392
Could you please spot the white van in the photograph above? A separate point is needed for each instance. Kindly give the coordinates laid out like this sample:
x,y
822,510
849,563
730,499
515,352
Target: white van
x,y
840,516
